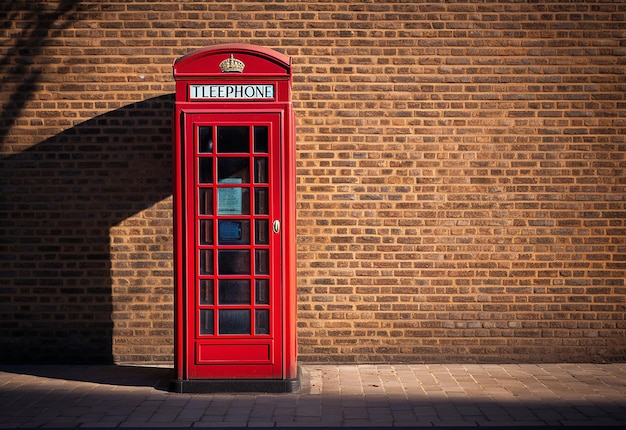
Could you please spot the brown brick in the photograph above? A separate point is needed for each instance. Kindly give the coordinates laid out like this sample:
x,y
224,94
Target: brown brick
x,y
471,169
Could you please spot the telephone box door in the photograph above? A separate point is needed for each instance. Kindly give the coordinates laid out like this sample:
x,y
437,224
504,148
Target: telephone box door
x,y
233,206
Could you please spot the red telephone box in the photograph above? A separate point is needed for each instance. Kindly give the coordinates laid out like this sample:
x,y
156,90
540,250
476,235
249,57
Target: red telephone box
x,y
234,215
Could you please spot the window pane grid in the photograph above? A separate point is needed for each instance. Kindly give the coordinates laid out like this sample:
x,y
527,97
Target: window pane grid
x,y
233,230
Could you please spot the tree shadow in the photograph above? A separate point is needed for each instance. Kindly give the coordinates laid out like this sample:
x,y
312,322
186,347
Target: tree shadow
x,y
58,202
16,65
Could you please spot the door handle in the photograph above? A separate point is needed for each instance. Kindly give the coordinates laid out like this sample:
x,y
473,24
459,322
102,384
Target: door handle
x,y
276,226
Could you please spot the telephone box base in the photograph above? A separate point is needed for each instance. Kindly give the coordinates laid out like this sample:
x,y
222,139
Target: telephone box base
x,y
198,386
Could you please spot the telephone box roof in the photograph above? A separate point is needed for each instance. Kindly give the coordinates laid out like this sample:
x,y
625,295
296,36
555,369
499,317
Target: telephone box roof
x,y
258,61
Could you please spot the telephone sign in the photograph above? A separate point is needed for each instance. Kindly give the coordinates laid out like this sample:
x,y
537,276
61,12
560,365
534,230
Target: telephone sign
x,y
257,91
234,203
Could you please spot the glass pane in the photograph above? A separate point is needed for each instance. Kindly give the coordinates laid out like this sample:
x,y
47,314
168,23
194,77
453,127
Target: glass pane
x,y
261,261
233,139
206,232
234,321
234,291
260,139
205,201
205,139
233,170
206,321
260,201
261,232
233,201
205,170
206,291
234,262
262,321
206,262
260,170
262,292
233,232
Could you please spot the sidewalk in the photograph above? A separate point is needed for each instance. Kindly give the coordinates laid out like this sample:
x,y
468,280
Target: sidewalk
x,y
101,396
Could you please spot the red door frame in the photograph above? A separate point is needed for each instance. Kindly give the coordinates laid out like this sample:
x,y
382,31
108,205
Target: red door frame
x,y
233,356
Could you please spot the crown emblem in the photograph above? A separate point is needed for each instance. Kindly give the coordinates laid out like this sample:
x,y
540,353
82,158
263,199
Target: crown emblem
x,y
232,65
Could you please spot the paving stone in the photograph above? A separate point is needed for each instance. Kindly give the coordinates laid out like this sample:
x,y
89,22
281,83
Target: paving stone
x,y
331,396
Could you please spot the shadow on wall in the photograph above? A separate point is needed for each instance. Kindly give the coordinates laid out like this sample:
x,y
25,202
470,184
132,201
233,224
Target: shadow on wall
x,y
58,201
16,65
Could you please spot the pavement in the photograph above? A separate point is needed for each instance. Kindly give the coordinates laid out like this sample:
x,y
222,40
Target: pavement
x,y
331,396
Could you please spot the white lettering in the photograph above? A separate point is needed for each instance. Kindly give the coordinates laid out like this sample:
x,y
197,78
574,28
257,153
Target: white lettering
x,y
251,91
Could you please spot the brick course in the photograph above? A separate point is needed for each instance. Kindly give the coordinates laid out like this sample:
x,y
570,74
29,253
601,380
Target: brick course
x,y
461,176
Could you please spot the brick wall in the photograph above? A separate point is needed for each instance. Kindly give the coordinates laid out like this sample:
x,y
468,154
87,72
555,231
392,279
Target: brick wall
x,y
461,176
